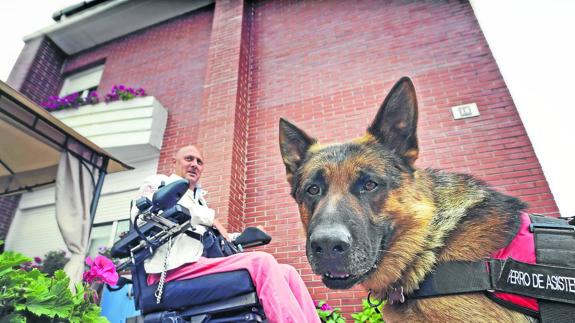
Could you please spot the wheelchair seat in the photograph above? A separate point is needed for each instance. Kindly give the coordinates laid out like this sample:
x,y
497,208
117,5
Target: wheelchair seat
x,y
204,290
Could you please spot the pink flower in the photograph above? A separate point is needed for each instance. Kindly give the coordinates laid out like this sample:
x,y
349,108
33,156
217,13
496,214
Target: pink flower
x,y
326,307
101,269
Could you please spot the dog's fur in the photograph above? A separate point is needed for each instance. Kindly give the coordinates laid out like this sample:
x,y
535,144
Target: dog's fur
x,y
372,218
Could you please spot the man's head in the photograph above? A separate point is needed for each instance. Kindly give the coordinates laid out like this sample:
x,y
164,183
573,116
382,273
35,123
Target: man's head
x,y
189,164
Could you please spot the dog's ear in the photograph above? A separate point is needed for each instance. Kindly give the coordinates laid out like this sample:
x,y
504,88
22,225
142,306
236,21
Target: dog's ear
x,y
294,144
395,124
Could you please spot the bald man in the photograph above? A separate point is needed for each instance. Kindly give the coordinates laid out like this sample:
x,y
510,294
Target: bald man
x,y
281,290
188,163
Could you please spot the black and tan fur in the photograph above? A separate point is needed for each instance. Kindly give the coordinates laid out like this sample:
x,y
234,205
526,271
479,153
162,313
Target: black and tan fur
x,y
372,218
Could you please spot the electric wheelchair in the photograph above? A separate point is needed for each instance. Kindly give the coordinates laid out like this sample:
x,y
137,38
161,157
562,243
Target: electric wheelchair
x,y
221,297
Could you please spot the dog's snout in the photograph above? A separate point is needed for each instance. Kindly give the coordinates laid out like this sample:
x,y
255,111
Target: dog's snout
x,y
331,241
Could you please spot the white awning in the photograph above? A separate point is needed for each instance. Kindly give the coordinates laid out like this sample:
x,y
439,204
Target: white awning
x,y
36,150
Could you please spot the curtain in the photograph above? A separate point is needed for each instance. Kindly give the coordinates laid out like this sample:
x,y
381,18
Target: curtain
x,y
74,193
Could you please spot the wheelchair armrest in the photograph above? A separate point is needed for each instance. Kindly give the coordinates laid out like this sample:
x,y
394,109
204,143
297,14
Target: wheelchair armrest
x,y
252,237
121,249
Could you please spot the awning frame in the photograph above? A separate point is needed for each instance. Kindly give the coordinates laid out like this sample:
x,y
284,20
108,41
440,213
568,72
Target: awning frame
x,y
40,122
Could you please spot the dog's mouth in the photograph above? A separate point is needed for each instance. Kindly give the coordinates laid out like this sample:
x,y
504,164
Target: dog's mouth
x,y
344,280
339,281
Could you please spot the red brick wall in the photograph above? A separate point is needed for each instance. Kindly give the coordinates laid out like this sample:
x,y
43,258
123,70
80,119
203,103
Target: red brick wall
x,y
8,205
328,66
169,61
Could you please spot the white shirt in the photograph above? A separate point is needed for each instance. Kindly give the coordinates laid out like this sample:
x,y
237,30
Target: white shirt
x,y
184,248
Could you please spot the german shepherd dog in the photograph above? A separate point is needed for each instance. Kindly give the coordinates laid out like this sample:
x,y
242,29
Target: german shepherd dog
x,y
372,218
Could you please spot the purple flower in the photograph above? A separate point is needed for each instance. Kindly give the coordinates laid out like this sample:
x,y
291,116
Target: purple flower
x,y
38,260
75,100
326,307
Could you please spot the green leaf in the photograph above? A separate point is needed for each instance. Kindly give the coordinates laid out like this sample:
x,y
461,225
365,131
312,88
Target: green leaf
x,y
9,259
78,298
45,296
61,275
92,315
368,314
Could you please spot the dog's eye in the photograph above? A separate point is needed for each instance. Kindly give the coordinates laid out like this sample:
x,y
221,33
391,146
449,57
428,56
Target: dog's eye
x,y
369,186
313,190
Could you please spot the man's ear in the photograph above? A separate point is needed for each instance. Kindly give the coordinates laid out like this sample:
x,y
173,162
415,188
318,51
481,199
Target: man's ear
x,y
395,124
294,144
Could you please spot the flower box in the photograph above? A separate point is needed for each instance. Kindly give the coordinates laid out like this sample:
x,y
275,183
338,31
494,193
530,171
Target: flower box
x,y
130,130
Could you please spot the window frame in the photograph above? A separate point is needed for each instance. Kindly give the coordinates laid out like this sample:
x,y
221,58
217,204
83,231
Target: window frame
x,y
65,90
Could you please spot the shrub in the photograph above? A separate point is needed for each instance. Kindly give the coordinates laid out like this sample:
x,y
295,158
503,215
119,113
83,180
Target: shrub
x,y
328,314
368,314
33,296
53,261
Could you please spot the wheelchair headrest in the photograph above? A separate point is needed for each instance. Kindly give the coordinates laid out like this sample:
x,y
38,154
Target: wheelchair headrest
x,y
168,195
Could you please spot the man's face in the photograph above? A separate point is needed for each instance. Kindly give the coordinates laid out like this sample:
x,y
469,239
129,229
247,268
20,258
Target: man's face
x,y
189,164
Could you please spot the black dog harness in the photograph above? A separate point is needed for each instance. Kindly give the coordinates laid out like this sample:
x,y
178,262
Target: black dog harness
x,y
551,280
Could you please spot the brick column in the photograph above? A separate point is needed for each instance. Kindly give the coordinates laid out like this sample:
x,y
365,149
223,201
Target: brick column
x,y
8,205
224,114
37,72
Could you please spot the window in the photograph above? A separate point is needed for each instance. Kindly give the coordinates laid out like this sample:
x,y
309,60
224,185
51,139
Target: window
x,y
106,234
83,82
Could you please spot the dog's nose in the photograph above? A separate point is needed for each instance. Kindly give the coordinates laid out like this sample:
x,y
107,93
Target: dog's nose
x,y
331,241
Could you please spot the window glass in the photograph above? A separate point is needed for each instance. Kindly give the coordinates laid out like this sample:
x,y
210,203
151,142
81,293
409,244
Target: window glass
x,y
100,237
105,234
83,82
122,227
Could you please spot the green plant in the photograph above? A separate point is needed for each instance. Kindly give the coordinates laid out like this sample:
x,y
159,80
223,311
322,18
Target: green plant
x,y
124,93
33,296
368,314
54,260
328,314
77,99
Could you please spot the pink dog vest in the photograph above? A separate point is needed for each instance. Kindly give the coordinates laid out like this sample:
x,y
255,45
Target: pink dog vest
x,y
521,248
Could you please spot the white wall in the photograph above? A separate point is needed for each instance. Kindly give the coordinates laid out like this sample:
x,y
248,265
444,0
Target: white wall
x,y
533,42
